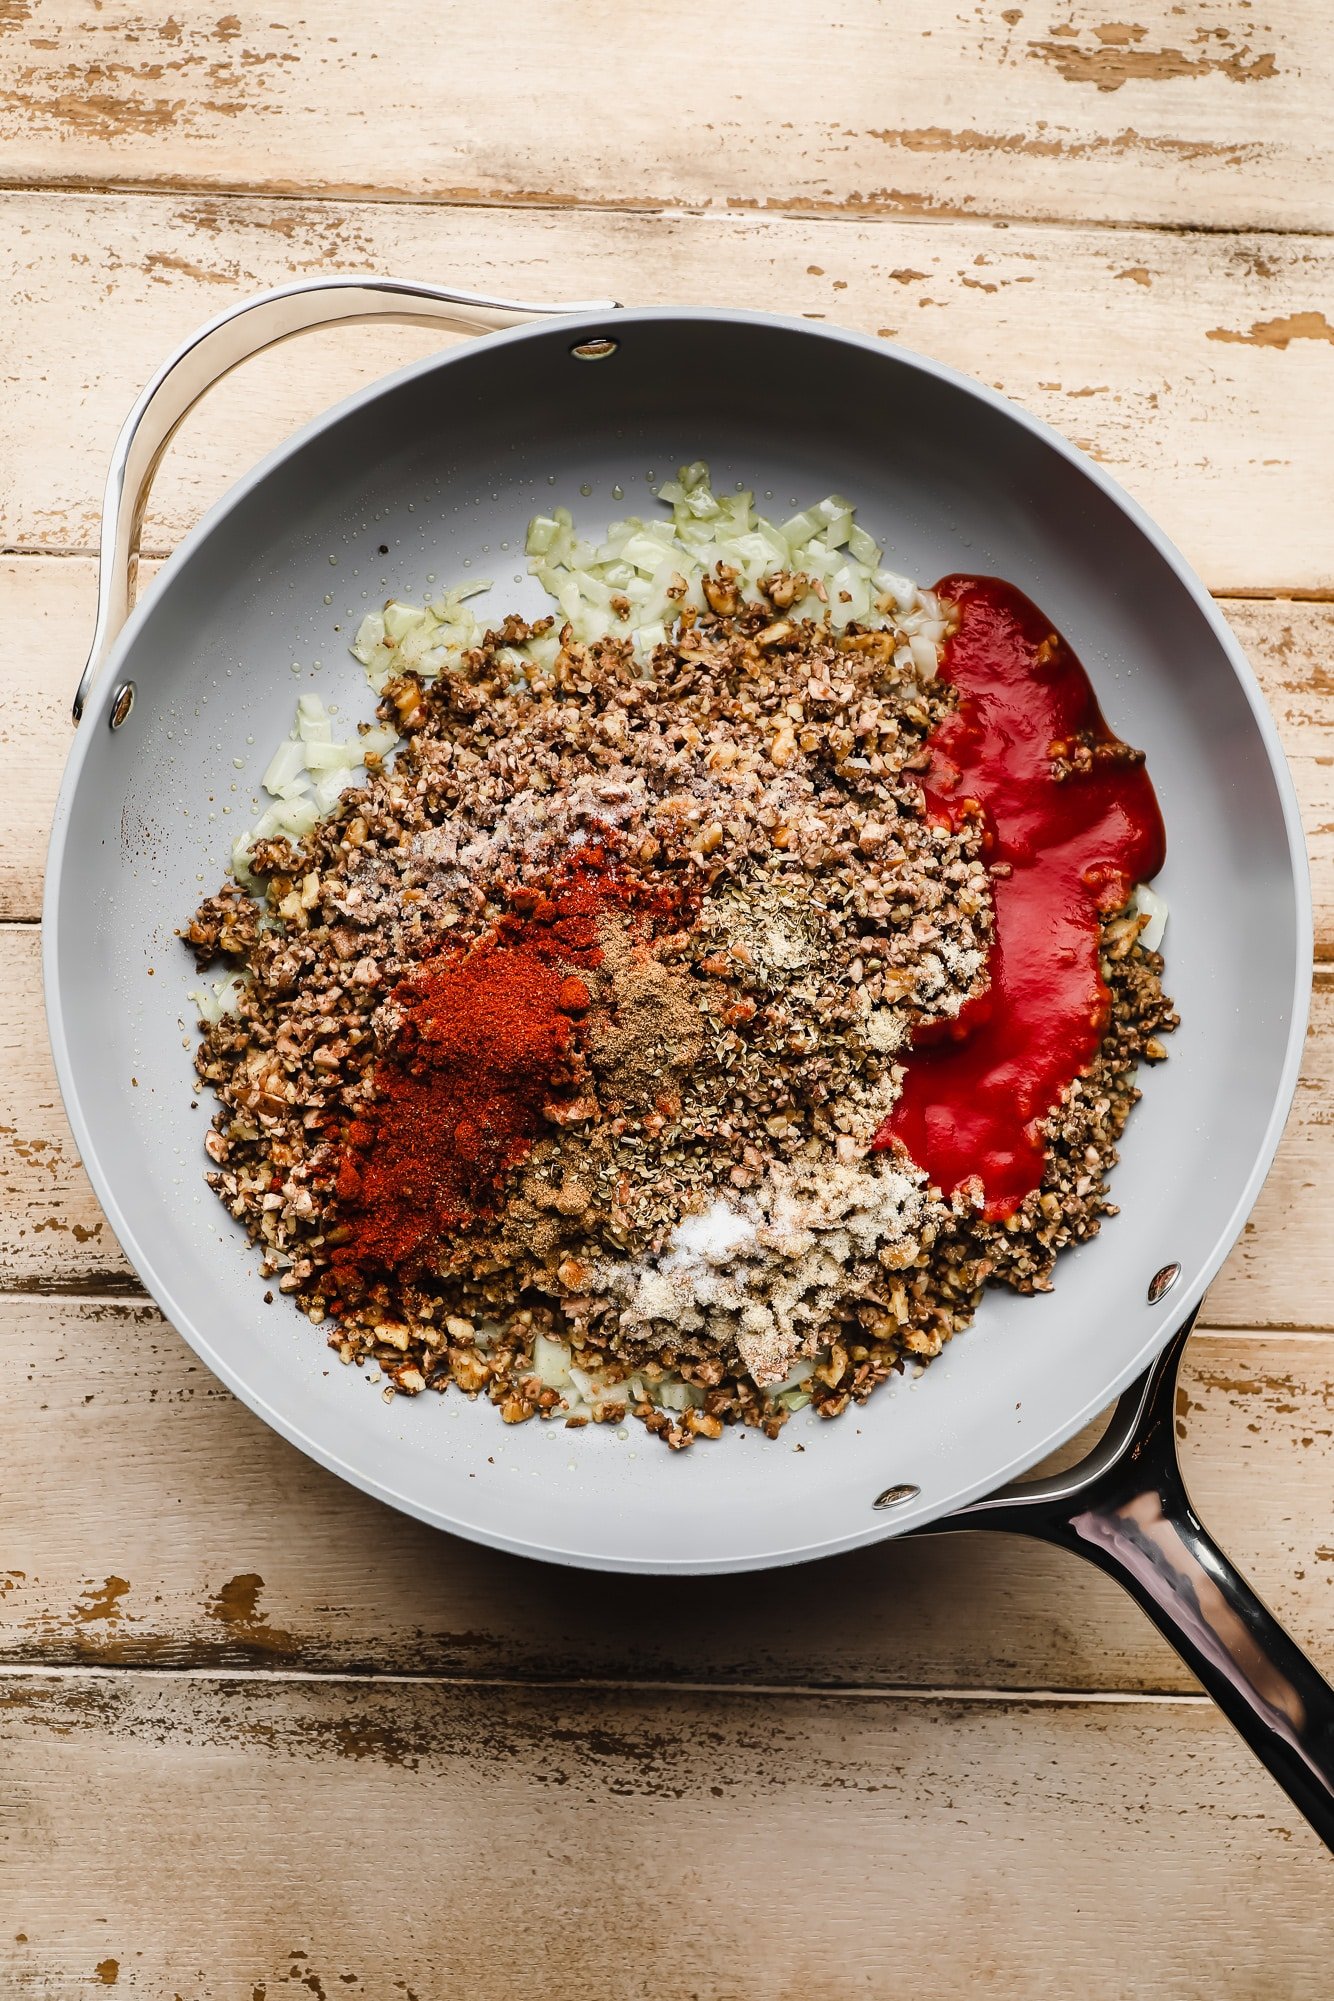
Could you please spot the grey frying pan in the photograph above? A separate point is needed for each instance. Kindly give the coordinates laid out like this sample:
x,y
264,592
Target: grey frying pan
x,y
440,466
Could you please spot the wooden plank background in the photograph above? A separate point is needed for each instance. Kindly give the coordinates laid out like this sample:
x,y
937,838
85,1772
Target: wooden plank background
x,y
1210,114
259,1733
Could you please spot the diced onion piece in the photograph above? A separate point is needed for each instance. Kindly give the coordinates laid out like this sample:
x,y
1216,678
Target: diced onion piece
x,y
862,547
799,1373
831,509
370,635
213,1002
333,756
801,528
677,1395
328,787
644,551
401,619
377,741
901,589
267,824
551,1362
312,720
1149,904
286,762
296,817
925,656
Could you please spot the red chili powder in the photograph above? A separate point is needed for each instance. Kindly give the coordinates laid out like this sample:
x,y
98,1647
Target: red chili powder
x,y
485,1044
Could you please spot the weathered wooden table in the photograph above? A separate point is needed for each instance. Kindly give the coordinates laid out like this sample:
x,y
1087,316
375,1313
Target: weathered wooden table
x,y
260,1734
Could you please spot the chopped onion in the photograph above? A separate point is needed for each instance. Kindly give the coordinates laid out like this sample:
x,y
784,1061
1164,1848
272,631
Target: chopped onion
x,y
418,639
370,634
799,1373
1148,903
925,656
639,560
551,1362
312,722
329,786
309,754
213,1002
863,548
333,756
298,818
678,1395
292,788
287,760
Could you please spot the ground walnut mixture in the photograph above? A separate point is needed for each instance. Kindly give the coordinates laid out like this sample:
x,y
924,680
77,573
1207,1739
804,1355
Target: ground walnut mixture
x,y
565,1040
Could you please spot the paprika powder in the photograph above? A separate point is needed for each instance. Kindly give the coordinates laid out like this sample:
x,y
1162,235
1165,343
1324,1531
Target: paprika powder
x,y
486,1056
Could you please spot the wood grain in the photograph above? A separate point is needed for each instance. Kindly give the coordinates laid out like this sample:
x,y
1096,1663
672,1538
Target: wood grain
x,y
1203,115
189,1534
201,1794
54,1238
417,1840
1189,363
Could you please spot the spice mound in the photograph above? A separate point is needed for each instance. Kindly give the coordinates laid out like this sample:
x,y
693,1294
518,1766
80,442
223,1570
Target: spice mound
x,y
562,1055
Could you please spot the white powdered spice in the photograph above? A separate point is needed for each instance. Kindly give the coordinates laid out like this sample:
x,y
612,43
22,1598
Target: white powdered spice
x,y
713,1233
763,1276
531,822
886,1030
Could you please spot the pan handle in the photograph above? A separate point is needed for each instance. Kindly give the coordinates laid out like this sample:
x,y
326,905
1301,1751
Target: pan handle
x,y
212,352
1125,1508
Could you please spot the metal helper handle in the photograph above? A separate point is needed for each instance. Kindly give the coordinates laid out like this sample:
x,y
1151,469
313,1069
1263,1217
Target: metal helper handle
x,y
1125,1508
212,352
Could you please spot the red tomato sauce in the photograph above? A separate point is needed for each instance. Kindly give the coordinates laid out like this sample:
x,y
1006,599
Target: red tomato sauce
x,y
978,1087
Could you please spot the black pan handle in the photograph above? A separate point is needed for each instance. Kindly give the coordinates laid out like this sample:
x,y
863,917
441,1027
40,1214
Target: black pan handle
x,y
1125,1508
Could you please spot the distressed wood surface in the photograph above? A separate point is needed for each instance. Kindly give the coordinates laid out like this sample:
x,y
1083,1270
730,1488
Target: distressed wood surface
x,y
189,1534
415,1840
261,1735
1212,113
1191,364
54,1238
46,614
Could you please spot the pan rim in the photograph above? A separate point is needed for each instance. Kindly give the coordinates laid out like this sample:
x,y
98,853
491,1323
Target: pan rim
x,y
1183,1299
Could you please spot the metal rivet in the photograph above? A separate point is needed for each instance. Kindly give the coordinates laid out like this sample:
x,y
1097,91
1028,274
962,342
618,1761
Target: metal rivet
x,y
1162,1282
894,1497
122,703
594,350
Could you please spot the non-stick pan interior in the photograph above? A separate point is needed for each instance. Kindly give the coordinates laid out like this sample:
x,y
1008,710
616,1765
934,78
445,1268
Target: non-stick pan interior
x,y
442,468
